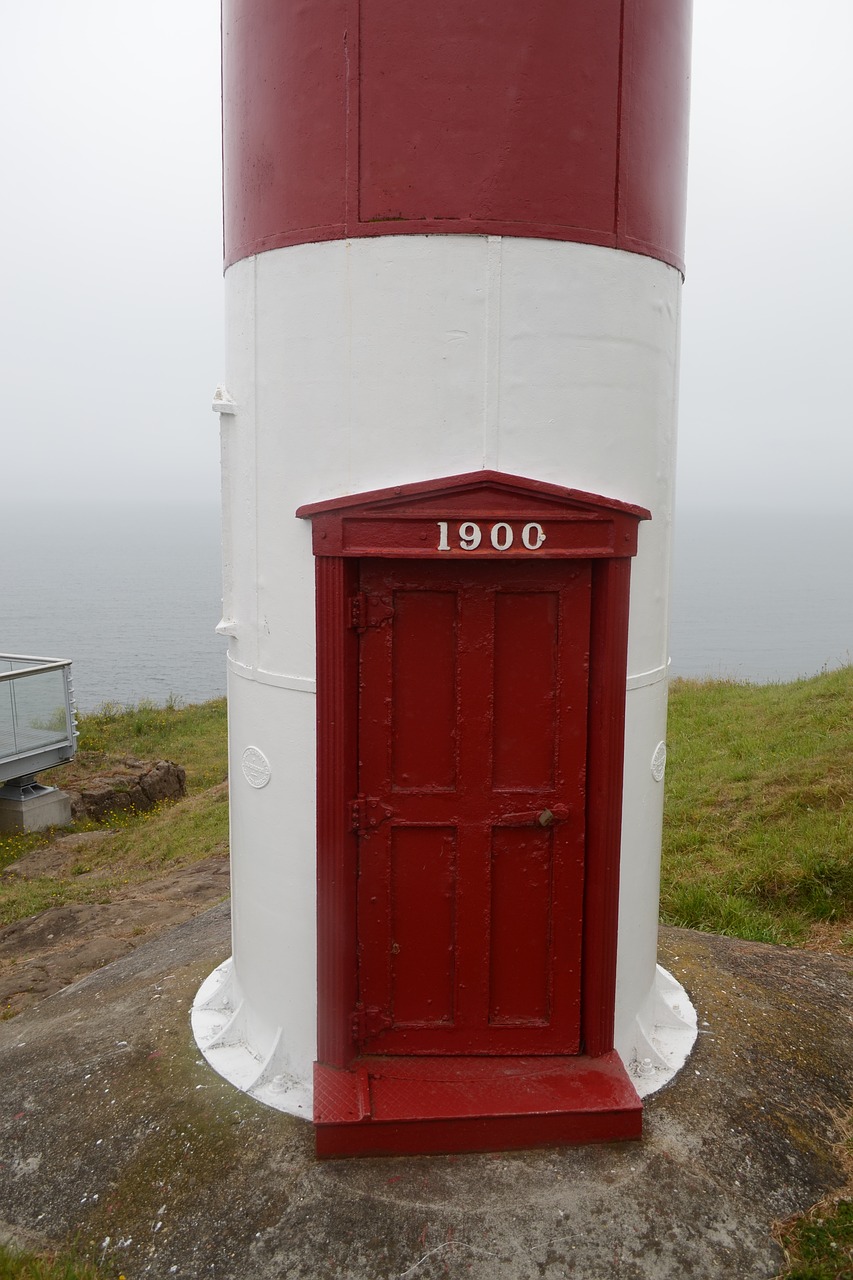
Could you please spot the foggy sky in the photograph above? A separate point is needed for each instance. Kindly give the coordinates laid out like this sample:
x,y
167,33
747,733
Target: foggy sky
x,y
112,316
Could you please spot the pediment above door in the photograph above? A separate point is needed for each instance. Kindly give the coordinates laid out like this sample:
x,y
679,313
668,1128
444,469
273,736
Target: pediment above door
x,y
476,515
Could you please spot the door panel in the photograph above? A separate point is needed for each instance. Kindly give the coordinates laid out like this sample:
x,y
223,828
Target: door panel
x,y
526,644
423,940
423,691
521,924
472,723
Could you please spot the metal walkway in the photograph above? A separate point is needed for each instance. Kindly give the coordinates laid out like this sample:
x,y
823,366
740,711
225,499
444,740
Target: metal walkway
x,y
38,720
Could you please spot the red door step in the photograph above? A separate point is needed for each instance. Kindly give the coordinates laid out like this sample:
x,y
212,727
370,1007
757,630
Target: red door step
x,y
416,1105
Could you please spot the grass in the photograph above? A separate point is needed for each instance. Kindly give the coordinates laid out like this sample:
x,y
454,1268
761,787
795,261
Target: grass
x,y
193,736
758,828
141,844
758,844
15,1265
819,1244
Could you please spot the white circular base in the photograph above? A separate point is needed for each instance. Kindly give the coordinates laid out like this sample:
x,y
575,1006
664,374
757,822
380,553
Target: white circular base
x,y
663,1042
219,1025
665,1033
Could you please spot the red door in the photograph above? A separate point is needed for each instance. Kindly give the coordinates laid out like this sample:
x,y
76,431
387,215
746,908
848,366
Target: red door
x,y
473,683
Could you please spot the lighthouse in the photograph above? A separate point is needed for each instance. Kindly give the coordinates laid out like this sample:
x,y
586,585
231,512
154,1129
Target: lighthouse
x,y
453,268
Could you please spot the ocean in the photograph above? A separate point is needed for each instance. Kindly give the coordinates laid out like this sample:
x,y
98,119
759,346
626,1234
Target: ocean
x,y
132,595
761,597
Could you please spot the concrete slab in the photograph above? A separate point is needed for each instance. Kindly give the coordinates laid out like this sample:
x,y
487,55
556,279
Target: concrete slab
x,y
47,807
115,1131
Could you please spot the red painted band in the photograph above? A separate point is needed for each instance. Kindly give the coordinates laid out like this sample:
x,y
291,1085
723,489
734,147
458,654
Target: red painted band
x,y
555,119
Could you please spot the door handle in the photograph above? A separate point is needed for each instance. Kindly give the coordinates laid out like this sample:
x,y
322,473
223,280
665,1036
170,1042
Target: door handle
x,y
536,817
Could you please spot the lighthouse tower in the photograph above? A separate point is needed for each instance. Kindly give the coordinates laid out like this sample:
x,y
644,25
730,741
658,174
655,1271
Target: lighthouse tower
x,y
453,252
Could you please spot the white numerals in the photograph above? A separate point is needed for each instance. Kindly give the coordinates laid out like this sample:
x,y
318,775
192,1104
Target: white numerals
x,y
501,536
469,535
533,535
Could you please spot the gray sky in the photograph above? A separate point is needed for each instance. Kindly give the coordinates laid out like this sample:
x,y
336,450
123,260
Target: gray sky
x,y
766,410
111,345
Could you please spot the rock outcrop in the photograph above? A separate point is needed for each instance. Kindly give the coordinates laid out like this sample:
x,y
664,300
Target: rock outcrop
x,y
133,786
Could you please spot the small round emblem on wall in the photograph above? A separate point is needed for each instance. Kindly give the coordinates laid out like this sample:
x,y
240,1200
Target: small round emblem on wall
x,y
256,767
659,762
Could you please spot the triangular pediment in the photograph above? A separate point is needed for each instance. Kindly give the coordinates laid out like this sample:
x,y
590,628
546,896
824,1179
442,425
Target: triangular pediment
x,y
478,514
495,491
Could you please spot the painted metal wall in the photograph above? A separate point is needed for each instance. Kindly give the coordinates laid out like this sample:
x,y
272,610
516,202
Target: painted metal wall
x,y
554,118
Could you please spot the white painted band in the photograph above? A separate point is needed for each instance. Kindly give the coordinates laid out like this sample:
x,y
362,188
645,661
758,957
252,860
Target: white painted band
x,y
539,358
647,677
303,684
307,685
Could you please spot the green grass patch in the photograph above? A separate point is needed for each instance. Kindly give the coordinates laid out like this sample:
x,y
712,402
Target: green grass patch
x,y
140,845
14,845
819,1245
31,1266
139,849
758,828
193,736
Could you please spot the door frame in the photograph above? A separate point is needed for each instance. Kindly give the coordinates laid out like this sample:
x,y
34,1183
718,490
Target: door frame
x,y
422,520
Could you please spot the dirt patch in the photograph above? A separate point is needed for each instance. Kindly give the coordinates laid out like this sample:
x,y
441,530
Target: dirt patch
x,y
125,902
831,936
46,952
59,858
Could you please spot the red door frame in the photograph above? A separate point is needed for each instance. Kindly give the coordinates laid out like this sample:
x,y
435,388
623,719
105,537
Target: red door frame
x,y
422,520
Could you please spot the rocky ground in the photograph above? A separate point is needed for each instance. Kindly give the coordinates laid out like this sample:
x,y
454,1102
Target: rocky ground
x,y
45,952
115,1133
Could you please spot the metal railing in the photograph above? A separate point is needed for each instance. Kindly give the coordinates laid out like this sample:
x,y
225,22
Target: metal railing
x,y
38,715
